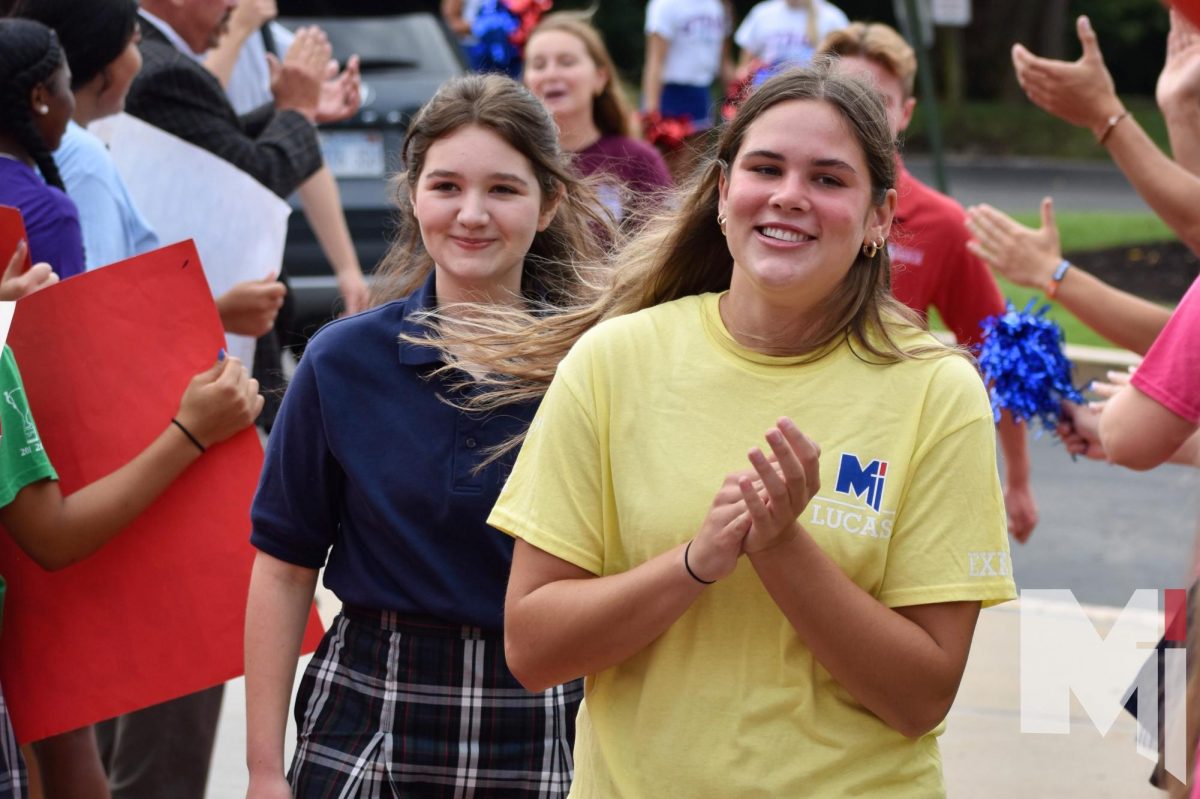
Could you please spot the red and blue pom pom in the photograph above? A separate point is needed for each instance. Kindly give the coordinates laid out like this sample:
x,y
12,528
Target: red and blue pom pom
x,y
1022,358
501,29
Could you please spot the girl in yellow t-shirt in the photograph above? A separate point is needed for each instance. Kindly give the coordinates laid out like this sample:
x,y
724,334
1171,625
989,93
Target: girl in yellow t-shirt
x,y
793,621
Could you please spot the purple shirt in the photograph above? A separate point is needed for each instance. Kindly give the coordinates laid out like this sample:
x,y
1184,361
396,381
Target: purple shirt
x,y
639,175
51,219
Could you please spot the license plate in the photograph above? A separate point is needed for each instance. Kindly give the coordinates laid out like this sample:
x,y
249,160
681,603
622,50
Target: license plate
x,y
353,153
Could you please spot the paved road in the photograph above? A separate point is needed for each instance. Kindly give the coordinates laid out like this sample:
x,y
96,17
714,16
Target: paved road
x,y
1106,531
1019,184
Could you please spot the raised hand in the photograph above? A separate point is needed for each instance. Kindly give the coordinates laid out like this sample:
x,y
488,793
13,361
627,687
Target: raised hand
x,y
1024,256
296,82
341,94
1080,92
789,482
1179,81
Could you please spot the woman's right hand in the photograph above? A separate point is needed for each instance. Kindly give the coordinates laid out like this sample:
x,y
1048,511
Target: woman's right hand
x,y
219,402
716,548
274,786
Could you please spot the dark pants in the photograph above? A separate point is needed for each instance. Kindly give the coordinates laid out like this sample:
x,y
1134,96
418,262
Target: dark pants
x,y
163,751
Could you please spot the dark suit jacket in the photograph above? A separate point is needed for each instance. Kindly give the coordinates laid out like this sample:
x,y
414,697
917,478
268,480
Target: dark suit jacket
x,y
175,93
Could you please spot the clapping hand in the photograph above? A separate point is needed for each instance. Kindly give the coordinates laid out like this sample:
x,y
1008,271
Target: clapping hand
x,y
789,480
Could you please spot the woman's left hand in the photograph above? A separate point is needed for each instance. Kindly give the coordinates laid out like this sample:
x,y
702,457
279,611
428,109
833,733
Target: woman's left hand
x,y
787,486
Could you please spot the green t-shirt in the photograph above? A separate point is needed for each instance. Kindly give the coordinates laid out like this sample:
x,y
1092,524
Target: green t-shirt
x,y
22,458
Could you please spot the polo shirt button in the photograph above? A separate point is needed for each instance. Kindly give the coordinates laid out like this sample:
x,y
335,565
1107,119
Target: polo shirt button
x,y
471,443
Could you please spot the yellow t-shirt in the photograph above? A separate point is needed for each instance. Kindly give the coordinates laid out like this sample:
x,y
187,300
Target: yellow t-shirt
x,y
646,416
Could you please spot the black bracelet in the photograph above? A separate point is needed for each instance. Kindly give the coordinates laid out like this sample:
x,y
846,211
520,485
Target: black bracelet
x,y
688,566
195,440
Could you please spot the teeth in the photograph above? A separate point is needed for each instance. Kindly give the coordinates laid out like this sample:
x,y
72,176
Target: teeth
x,y
784,235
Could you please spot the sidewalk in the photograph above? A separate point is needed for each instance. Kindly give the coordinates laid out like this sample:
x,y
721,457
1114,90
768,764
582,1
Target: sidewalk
x,y
985,755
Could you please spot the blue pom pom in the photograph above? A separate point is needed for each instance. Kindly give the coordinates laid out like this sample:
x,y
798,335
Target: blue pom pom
x,y
1023,360
493,50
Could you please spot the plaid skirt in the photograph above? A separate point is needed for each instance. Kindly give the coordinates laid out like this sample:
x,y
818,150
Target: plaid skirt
x,y
392,706
14,781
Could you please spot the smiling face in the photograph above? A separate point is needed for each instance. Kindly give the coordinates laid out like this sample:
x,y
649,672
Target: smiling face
x,y
478,205
797,199
562,74
54,95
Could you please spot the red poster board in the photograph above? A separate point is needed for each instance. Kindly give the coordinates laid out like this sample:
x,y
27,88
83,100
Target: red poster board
x,y
12,232
159,611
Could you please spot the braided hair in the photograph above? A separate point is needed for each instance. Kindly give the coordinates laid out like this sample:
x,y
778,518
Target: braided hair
x,y
29,54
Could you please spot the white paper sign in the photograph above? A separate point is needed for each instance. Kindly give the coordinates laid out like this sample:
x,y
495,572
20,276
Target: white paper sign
x,y
186,192
7,309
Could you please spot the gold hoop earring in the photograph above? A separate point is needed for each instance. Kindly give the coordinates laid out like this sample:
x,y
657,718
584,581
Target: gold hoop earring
x,y
871,249
721,220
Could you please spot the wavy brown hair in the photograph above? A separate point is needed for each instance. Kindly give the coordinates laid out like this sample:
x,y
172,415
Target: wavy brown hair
x,y
560,256
683,253
610,109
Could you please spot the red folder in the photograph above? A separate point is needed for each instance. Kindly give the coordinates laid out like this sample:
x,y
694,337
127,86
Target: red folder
x,y
12,231
159,611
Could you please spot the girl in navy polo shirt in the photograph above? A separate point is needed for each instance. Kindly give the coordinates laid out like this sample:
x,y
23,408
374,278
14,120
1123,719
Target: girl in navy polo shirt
x,y
374,473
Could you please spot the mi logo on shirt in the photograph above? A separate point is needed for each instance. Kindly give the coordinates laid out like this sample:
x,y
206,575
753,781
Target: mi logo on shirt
x,y
864,482
988,564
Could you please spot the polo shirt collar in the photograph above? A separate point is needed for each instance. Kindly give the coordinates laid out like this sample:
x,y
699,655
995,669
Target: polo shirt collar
x,y
423,299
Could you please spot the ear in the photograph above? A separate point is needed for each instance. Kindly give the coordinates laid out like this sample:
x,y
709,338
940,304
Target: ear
x,y
39,97
879,218
549,209
601,81
722,190
906,112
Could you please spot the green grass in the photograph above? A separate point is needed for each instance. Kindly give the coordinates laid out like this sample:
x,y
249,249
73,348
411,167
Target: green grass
x,y
1021,129
1082,231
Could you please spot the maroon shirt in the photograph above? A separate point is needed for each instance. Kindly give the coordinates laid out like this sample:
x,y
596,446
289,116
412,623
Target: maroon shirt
x,y
633,175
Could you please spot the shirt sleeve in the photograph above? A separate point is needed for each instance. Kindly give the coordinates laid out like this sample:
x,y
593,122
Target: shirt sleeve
x,y
747,36
555,497
950,540
295,514
967,293
1170,374
23,460
658,19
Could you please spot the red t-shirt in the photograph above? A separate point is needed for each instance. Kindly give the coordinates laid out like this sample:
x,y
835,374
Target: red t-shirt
x,y
1170,375
931,265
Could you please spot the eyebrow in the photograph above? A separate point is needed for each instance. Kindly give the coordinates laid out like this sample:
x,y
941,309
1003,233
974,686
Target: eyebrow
x,y
826,163
504,176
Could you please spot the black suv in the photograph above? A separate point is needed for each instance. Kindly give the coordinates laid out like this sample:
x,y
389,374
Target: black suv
x,y
405,57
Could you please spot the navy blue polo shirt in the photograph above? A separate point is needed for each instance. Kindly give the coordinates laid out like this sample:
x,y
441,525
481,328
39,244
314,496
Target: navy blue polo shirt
x,y
368,466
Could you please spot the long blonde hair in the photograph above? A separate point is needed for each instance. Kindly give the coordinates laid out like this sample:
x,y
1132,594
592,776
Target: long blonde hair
x,y
559,255
683,253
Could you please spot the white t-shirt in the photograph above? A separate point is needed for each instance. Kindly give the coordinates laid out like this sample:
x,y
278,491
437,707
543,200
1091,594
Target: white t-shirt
x,y
695,30
775,32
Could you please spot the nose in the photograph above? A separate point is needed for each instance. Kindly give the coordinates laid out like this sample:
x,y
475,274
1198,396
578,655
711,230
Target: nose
x,y
791,194
473,211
